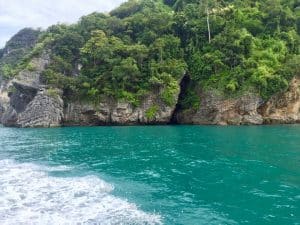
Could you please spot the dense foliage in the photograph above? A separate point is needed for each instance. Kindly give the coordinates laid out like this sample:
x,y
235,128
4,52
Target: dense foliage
x,y
231,46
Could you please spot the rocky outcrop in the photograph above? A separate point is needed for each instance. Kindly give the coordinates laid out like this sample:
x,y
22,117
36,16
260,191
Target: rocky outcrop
x,y
218,110
10,56
43,111
283,107
111,112
32,106
30,103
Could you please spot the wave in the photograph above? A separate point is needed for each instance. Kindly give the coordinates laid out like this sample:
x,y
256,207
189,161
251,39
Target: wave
x,y
28,195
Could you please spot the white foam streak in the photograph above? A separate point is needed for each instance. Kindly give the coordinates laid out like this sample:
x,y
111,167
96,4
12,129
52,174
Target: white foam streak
x,y
29,196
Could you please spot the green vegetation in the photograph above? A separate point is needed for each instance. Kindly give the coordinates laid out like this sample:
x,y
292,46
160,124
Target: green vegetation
x,y
151,112
54,93
230,46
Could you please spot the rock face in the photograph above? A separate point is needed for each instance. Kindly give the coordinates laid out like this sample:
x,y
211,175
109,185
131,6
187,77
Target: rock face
x,y
25,102
30,103
111,112
215,109
4,99
33,107
284,107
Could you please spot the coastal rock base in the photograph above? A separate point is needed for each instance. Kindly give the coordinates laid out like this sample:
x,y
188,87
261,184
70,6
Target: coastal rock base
x,y
112,112
215,109
31,104
283,107
31,107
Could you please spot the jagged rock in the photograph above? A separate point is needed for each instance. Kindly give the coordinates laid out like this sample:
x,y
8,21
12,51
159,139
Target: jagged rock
x,y
30,104
151,111
283,107
22,96
216,109
33,109
4,98
43,111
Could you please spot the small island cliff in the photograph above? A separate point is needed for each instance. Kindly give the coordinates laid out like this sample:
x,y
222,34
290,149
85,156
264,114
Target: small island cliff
x,y
157,62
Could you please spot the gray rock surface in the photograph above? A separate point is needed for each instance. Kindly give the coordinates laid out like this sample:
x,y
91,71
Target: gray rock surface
x,y
30,103
111,112
283,107
43,111
218,110
33,107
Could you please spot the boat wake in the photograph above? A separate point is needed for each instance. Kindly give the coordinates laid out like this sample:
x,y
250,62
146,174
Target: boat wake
x,y
28,195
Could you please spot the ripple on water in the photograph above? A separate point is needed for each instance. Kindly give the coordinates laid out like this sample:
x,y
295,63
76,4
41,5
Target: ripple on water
x,y
28,193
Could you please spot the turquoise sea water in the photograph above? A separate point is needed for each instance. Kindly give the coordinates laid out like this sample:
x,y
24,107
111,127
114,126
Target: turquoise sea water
x,y
150,175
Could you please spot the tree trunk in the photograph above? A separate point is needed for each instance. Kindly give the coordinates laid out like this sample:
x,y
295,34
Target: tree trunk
x,y
208,25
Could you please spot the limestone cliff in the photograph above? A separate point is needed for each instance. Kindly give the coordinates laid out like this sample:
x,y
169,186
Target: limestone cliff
x,y
283,107
30,103
111,112
25,102
218,110
10,56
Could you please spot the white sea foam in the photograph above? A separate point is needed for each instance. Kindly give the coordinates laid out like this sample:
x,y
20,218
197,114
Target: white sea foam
x,y
28,195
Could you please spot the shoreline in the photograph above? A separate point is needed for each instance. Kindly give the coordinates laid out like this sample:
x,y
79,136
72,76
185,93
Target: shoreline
x,y
157,125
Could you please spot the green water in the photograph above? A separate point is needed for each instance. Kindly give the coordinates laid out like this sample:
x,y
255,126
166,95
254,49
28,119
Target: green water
x,y
172,174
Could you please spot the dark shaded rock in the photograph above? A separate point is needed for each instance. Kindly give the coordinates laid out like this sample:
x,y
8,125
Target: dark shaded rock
x,y
22,95
10,118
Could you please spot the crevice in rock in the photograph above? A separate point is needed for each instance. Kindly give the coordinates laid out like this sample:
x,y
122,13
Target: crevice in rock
x,y
184,84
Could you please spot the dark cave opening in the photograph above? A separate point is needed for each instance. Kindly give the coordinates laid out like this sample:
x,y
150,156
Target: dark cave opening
x,y
184,84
